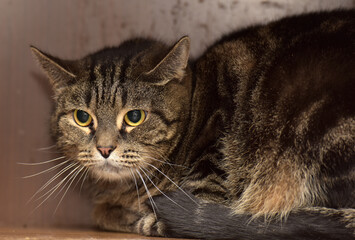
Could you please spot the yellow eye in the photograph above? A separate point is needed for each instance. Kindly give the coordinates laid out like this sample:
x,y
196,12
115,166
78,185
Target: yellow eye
x,y
135,117
82,118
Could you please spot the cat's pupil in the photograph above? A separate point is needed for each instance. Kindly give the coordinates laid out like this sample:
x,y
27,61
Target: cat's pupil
x,y
134,116
82,116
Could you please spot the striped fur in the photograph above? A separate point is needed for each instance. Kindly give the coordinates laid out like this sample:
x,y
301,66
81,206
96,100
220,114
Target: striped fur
x,y
261,126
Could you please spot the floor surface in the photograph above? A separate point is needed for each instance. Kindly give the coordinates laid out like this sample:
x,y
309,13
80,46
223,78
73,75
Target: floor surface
x,y
66,234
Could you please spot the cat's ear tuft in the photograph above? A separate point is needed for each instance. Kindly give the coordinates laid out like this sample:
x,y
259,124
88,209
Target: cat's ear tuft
x,y
173,65
56,69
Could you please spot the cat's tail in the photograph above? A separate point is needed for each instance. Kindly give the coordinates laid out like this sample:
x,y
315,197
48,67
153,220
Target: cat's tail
x,y
186,219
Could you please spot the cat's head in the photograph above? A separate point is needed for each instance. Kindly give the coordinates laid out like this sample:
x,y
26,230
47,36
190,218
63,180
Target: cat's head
x,y
123,108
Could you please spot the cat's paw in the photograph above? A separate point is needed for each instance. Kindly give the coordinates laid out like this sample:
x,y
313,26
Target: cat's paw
x,y
150,226
115,218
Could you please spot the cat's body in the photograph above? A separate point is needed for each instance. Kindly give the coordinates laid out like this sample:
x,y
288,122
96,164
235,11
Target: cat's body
x,y
260,126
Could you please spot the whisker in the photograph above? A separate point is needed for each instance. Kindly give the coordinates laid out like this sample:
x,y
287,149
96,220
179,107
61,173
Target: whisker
x,y
46,148
51,180
73,179
172,182
40,163
58,184
47,170
149,195
71,174
84,179
52,191
135,182
161,191
171,164
166,159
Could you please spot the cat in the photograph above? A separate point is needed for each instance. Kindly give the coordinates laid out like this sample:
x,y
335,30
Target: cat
x,y
254,139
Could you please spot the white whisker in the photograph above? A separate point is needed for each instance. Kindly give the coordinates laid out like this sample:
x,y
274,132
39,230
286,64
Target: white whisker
x,y
149,195
164,162
135,182
47,170
72,175
160,190
73,179
85,174
46,148
58,184
40,163
52,191
172,182
51,180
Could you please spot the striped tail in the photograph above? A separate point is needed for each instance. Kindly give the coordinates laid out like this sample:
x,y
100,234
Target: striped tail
x,y
185,219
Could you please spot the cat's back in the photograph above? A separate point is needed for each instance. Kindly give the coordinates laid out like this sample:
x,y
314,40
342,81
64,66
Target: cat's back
x,y
292,108
249,52
279,69
305,54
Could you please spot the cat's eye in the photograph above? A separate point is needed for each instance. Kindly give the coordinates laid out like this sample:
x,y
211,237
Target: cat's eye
x,y
135,117
82,118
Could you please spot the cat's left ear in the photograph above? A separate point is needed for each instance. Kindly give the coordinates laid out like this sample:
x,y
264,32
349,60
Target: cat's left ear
x,y
173,65
58,71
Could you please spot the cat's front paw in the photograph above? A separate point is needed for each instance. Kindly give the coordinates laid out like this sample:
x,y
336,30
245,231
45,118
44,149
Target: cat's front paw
x,y
115,218
149,225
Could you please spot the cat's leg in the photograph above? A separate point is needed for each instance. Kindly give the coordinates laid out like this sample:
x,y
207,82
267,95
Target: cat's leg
x,y
120,219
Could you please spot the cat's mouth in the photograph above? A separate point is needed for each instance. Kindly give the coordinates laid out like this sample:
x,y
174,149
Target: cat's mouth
x,y
109,166
109,169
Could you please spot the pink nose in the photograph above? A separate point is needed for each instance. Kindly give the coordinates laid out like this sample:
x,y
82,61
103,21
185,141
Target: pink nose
x,y
106,151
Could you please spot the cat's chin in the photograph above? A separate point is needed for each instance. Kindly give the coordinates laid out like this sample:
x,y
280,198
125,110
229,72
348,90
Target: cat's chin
x,y
110,172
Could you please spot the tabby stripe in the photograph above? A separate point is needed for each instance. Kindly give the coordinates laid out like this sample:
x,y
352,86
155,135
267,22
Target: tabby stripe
x,y
115,82
60,115
209,192
88,98
112,75
124,67
102,71
218,183
164,140
113,96
124,97
92,70
92,132
164,119
97,93
149,144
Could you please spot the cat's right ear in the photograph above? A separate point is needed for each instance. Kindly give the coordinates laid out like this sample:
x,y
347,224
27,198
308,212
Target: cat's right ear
x,y
173,65
56,69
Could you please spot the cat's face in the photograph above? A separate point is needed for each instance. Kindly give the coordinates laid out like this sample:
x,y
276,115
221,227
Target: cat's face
x,y
121,110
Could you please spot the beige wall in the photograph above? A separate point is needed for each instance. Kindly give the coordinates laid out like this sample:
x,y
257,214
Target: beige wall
x,y
71,29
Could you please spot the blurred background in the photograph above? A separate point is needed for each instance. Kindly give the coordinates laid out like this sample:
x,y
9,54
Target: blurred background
x,y
71,29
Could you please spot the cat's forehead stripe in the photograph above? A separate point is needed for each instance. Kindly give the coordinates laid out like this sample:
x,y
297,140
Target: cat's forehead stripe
x,y
107,80
124,67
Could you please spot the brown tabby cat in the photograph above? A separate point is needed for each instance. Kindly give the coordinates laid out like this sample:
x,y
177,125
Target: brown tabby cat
x,y
253,140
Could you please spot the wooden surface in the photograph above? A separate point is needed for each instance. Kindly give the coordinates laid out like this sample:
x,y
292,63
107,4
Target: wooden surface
x,y
71,29
66,234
